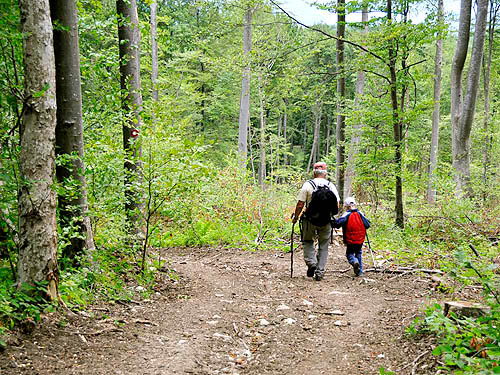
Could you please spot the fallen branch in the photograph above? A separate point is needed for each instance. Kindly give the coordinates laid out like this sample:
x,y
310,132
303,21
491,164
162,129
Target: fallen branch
x,y
333,312
415,362
139,321
400,274
404,270
100,332
341,271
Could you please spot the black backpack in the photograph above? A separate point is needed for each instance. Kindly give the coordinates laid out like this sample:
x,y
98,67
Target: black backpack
x,y
323,205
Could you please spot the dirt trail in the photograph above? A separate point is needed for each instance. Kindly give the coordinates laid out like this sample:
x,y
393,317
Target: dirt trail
x,y
236,312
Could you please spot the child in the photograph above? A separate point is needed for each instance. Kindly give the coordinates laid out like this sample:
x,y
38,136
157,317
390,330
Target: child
x,y
354,225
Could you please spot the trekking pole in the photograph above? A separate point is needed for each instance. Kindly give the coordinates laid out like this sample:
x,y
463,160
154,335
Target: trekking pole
x,y
371,252
291,251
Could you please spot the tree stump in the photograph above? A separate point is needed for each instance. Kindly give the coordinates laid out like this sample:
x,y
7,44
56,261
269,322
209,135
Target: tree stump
x,y
465,308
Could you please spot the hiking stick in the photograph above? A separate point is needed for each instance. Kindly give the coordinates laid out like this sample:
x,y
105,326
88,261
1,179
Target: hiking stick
x,y
371,252
291,251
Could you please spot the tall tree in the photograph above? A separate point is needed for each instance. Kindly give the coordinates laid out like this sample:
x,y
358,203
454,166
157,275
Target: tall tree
x,y
37,198
340,130
463,105
358,126
154,54
262,142
245,89
438,61
396,122
130,82
317,110
73,208
494,7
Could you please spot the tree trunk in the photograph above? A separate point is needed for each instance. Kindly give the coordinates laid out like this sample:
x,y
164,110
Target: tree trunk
x,y
486,84
69,129
462,111
285,120
396,126
358,127
154,56
245,90
37,199
438,61
328,135
317,125
340,130
276,165
262,143
130,82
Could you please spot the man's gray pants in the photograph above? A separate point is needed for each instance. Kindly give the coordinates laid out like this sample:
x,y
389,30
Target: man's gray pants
x,y
311,257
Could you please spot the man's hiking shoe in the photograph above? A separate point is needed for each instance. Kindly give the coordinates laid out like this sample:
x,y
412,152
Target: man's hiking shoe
x,y
310,271
357,271
318,277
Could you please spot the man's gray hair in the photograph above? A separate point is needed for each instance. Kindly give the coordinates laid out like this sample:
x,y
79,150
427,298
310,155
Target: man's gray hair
x,y
320,171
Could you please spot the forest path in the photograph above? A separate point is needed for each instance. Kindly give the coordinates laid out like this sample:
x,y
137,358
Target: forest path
x,y
237,312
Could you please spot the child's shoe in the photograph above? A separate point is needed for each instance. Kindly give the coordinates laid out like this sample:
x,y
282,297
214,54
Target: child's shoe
x,y
356,268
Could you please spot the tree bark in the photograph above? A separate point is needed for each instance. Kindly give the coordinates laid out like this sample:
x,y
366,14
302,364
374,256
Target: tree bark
x,y
69,129
317,125
396,125
438,61
154,55
358,126
130,82
37,198
285,120
462,110
340,129
486,85
245,90
262,142
328,135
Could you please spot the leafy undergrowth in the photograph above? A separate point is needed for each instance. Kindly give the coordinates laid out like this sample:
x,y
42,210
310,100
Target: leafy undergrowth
x,y
467,345
457,237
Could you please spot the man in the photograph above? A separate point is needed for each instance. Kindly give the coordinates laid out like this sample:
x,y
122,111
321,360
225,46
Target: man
x,y
316,262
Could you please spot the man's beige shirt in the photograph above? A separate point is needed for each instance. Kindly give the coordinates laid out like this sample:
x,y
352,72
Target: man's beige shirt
x,y
305,193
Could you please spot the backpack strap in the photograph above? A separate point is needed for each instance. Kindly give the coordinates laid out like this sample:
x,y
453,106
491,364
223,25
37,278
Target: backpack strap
x,y
314,188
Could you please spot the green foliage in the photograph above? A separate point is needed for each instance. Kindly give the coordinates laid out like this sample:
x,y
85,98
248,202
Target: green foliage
x,y
466,345
20,306
231,211
433,233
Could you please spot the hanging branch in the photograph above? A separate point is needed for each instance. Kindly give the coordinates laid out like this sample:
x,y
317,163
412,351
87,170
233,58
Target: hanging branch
x,y
481,276
329,35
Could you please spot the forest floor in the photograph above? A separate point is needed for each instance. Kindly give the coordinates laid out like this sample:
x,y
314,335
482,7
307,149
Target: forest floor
x,y
239,312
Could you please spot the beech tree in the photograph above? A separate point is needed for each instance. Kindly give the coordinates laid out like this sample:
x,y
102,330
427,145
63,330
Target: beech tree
x,y
396,121
314,155
494,7
245,88
340,130
130,82
73,207
463,102
438,61
154,55
37,198
358,126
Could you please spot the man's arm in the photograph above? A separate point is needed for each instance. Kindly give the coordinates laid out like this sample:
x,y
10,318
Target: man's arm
x,y
298,210
334,189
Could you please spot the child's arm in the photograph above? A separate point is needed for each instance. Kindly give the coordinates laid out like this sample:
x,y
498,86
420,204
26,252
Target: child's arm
x,y
342,220
366,222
